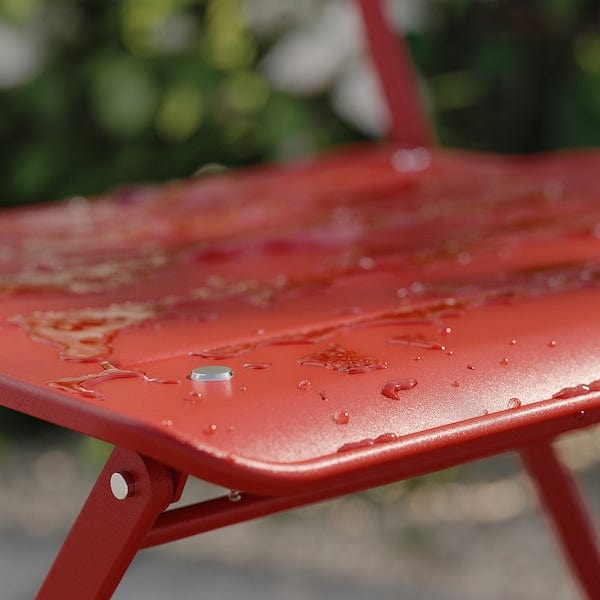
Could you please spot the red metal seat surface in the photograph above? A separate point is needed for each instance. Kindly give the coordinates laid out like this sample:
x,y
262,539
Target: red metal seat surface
x,y
382,309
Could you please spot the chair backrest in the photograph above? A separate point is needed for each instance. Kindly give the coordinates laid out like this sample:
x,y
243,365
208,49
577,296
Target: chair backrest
x,y
408,123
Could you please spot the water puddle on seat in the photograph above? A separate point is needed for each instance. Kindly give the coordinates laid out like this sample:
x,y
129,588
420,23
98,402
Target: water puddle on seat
x,y
341,359
80,384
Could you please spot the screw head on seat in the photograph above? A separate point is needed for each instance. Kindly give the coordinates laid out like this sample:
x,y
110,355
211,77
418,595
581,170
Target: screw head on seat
x,y
211,373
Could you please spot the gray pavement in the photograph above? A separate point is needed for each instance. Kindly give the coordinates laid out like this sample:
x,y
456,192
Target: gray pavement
x,y
469,534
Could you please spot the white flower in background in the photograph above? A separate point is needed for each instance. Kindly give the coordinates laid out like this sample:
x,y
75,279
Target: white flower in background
x,y
307,60
271,17
21,54
323,52
356,97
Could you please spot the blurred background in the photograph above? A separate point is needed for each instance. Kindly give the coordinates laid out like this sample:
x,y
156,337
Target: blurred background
x,y
95,95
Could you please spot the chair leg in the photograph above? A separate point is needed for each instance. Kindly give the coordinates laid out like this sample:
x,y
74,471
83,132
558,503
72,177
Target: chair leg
x,y
564,505
391,59
108,532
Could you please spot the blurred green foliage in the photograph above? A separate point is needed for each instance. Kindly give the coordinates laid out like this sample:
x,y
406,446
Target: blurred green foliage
x,y
140,90
119,100
514,76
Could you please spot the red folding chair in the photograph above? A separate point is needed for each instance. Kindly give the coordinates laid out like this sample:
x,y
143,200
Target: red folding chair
x,y
295,333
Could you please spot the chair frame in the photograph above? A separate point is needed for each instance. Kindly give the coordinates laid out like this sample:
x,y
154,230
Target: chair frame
x,y
111,530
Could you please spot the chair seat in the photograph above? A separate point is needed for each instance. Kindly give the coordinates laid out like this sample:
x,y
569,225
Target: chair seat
x,y
384,311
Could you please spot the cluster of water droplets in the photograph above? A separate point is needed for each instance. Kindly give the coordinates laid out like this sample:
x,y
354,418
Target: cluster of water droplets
x,y
304,384
337,358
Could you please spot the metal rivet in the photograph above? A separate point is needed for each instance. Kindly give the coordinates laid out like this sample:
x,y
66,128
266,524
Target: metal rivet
x,y
121,485
234,496
212,373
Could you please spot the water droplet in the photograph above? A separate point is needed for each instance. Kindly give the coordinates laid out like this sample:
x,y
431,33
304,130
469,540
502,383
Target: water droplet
x,y
552,344
243,388
456,384
463,259
356,445
258,365
512,342
304,384
450,352
194,395
416,287
234,496
594,385
514,403
209,429
167,422
410,159
342,417
572,392
384,438
580,416
313,336
416,357
446,331
417,341
471,367
504,361
260,332
342,359
322,395
230,351
392,389
366,263
158,380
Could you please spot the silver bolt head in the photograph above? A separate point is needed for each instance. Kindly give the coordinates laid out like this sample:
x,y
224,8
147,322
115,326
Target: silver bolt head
x,y
121,485
212,373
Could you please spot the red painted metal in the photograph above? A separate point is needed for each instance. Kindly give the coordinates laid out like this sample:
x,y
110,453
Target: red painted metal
x,y
387,311
108,532
221,512
565,507
387,254
408,122
469,264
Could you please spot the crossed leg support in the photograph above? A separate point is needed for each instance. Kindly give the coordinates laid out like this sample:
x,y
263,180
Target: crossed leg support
x,y
108,532
564,507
